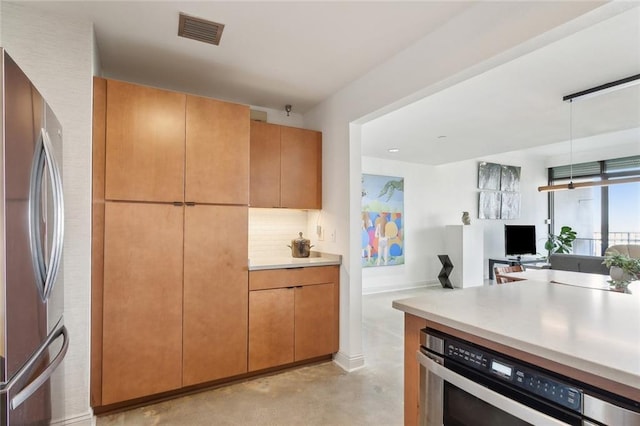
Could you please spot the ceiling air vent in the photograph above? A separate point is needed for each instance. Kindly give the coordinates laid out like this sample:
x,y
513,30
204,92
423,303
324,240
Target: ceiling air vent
x,y
200,29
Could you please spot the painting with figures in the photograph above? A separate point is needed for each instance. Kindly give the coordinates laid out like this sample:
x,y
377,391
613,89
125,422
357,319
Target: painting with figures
x,y
382,220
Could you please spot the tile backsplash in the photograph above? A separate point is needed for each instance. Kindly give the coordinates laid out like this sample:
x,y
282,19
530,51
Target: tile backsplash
x,y
271,231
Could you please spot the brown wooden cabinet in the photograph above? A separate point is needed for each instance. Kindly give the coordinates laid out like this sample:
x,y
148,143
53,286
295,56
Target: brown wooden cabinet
x,y
293,315
142,300
144,143
315,319
170,223
286,167
271,328
217,152
265,165
300,168
164,146
215,293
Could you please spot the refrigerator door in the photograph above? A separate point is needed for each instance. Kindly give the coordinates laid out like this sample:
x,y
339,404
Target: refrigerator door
x,y
46,217
32,228
25,312
26,398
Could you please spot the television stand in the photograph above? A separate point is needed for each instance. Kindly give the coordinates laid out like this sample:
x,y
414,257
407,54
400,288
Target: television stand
x,y
511,261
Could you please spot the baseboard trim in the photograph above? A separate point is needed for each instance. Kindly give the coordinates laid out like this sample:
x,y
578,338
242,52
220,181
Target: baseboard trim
x,y
348,363
407,286
86,419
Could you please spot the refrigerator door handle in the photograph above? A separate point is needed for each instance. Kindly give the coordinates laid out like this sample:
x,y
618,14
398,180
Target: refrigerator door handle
x,y
43,157
58,214
33,386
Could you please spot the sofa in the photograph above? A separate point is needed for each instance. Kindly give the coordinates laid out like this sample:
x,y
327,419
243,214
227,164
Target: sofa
x,y
591,264
578,263
631,250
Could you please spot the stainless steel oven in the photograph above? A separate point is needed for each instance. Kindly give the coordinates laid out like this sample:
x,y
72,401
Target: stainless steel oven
x,y
464,384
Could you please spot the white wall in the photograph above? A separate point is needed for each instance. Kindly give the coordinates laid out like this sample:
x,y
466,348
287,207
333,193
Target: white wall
x,y
276,116
57,55
484,36
436,196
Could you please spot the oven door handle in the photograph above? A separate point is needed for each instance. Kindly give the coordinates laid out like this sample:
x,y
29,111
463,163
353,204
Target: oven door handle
x,y
495,399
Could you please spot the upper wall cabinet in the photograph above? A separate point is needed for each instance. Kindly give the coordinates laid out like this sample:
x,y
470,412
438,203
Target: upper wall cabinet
x,y
217,159
163,146
144,143
286,167
300,168
265,165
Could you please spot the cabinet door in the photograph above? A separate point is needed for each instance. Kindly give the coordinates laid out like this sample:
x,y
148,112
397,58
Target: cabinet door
x,y
271,316
301,168
217,152
144,143
265,165
315,321
215,293
142,325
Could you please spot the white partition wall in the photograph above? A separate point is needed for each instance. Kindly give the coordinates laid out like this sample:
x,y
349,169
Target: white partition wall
x,y
464,246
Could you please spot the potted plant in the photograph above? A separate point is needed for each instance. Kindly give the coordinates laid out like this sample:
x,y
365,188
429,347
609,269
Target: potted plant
x,y
622,268
561,243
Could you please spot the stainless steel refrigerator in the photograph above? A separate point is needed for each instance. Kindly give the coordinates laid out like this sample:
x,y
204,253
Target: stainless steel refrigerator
x,y
33,338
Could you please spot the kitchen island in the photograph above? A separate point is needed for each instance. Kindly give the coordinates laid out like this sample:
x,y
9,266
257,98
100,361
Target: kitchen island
x,y
589,335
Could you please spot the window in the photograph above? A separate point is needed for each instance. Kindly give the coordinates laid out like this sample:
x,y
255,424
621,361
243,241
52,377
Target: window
x,y
601,216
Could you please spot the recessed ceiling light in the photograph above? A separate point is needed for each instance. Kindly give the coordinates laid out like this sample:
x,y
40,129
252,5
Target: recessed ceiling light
x,y
393,150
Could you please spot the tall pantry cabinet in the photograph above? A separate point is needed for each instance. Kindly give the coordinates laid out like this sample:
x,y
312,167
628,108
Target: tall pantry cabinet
x,y
170,276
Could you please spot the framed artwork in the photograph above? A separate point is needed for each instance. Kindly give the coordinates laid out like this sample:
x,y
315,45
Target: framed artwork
x,y
382,220
510,205
489,176
510,178
501,197
489,205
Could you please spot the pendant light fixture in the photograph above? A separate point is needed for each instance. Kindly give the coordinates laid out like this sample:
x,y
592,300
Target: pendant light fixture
x,y
585,94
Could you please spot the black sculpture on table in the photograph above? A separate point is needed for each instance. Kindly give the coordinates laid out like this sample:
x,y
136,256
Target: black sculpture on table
x,y
447,267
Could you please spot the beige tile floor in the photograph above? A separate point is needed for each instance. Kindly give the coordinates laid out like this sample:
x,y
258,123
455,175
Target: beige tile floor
x,y
321,394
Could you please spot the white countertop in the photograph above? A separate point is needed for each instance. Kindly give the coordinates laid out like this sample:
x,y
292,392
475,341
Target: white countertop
x,y
579,279
591,330
280,262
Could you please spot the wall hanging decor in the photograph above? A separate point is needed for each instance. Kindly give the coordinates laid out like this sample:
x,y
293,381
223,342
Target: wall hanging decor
x,y
509,178
500,195
382,220
489,176
489,205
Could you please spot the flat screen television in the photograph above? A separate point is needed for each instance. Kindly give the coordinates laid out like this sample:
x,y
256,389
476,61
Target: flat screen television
x,y
519,240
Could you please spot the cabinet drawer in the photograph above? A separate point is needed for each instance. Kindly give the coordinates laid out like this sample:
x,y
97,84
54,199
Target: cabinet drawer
x,y
291,277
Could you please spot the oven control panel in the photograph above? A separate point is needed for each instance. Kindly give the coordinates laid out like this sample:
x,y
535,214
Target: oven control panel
x,y
513,372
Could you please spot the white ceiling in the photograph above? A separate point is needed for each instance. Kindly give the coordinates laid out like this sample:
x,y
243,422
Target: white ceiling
x,y
519,105
301,52
271,53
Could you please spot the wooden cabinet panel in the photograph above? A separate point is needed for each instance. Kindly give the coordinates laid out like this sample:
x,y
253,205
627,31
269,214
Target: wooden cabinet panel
x,y
301,168
315,320
271,322
265,165
142,322
292,318
217,152
291,277
215,293
170,284
97,236
144,143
